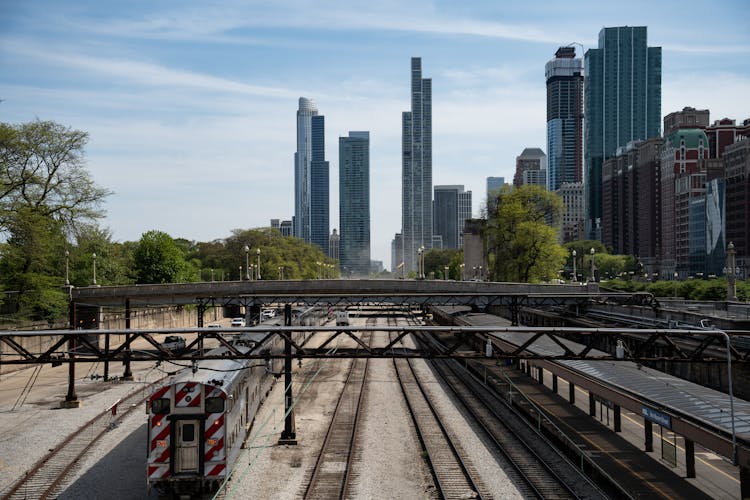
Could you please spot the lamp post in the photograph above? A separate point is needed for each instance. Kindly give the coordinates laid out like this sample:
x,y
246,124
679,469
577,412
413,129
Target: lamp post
x,y
93,256
258,253
419,263
445,274
67,268
240,273
593,276
731,272
212,274
461,271
480,274
575,276
247,262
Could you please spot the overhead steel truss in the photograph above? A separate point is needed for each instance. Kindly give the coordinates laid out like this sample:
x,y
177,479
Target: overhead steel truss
x,y
461,340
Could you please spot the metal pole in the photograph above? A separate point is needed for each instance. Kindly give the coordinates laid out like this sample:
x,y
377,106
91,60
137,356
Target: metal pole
x,y
289,435
128,375
731,394
71,396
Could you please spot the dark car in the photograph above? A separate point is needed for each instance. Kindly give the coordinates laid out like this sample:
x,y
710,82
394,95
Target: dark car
x,y
174,343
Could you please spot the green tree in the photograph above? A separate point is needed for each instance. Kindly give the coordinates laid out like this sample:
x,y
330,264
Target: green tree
x,y
158,259
522,233
437,259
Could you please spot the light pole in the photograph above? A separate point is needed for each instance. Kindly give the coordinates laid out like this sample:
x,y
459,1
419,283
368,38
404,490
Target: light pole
x,y
480,273
730,271
258,252
461,271
212,274
93,256
593,276
247,262
575,276
281,272
676,275
317,263
445,274
67,268
419,263
240,273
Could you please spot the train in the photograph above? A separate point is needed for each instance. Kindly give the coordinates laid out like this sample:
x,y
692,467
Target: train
x,y
199,419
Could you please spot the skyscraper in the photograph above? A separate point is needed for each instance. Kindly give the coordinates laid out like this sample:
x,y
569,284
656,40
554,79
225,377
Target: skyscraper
x,y
622,90
564,75
416,178
354,204
451,208
311,183
531,168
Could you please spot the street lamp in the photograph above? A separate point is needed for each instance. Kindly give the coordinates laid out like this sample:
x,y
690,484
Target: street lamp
x,y
258,252
212,274
281,272
461,271
317,263
93,256
240,273
247,262
480,273
676,275
593,276
445,275
67,268
731,272
575,276
419,263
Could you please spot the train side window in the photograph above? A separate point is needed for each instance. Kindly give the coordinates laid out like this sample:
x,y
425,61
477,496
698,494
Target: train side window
x,y
160,406
214,405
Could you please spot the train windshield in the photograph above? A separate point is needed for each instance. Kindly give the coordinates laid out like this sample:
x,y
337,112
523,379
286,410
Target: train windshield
x,y
160,406
214,405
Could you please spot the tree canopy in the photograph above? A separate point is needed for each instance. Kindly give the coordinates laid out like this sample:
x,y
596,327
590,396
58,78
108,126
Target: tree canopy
x,y
522,235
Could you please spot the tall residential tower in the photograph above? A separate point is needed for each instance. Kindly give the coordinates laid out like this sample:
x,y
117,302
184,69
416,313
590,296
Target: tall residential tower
x,y
564,75
622,90
416,162
311,182
354,204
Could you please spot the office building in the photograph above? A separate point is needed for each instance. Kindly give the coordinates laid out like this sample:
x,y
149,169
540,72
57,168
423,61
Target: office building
x,y
451,208
354,204
494,184
397,255
531,168
564,75
333,245
737,179
311,180
416,145
622,103
571,194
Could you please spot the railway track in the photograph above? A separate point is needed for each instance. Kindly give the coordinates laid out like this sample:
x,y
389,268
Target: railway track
x,y
454,477
49,476
537,468
332,471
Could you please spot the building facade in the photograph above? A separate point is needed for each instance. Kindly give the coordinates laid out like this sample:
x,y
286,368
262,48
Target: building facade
x,y
571,194
311,177
416,147
737,178
531,168
622,103
333,245
564,75
452,206
354,204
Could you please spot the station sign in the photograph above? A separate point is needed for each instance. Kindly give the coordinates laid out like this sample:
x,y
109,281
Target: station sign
x,y
656,417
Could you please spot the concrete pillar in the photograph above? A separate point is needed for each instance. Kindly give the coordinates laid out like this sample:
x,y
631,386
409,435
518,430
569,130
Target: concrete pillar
x,y
689,458
572,393
618,419
554,383
648,429
592,405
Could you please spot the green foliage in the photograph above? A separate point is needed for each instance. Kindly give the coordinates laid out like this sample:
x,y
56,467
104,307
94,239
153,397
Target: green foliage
x,y
522,233
437,259
158,259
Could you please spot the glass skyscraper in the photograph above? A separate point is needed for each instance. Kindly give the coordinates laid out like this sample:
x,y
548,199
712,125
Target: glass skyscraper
x,y
622,96
354,204
311,181
451,208
564,75
416,179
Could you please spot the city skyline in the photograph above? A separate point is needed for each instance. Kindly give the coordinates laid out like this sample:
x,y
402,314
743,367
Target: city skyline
x,y
187,105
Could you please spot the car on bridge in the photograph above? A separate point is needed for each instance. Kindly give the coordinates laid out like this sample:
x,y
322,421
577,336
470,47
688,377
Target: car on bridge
x,y
237,322
174,343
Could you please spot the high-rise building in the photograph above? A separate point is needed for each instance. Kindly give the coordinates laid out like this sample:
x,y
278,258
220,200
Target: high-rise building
x,y
333,245
686,118
737,168
622,101
571,194
416,161
287,228
354,204
397,255
564,75
531,168
451,208
311,182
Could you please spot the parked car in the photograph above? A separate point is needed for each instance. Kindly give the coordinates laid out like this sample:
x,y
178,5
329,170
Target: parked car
x,y
174,343
237,322
268,313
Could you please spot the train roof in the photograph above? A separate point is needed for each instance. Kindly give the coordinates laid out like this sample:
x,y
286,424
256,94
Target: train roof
x,y
222,373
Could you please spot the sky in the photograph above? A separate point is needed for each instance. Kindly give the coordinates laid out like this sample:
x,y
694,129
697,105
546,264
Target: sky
x,y
191,106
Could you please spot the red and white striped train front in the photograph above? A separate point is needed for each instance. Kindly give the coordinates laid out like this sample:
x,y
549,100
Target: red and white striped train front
x,y
186,436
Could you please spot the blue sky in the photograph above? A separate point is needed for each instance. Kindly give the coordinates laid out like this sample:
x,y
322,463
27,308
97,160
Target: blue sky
x,y
191,107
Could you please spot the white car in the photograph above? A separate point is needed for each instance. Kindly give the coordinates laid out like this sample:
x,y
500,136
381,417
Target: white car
x,y
268,313
238,322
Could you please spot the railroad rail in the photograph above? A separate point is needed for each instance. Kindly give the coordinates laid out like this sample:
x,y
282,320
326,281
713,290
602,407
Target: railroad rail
x,y
454,476
48,477
332,471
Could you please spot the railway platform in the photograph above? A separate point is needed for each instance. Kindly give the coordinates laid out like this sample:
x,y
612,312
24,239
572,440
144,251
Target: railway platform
x,y
640,475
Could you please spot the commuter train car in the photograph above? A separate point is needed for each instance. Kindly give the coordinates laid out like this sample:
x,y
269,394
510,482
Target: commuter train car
x,y
198,420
